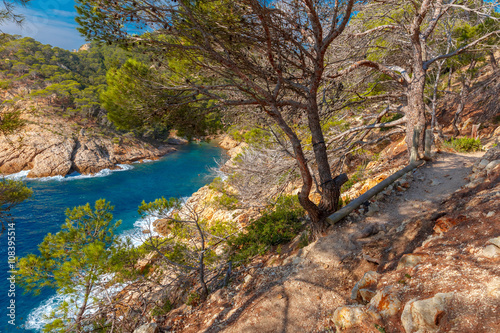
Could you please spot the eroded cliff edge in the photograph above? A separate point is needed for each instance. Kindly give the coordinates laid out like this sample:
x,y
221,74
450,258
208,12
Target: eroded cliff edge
x,y
51,146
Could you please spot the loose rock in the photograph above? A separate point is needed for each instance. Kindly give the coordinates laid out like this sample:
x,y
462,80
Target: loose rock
x,y
148,328
423,316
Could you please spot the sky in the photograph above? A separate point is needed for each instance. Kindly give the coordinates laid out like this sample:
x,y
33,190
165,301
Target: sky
x,y
49,22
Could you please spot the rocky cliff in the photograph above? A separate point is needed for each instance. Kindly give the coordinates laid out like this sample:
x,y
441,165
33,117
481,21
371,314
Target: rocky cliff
x,y
52,146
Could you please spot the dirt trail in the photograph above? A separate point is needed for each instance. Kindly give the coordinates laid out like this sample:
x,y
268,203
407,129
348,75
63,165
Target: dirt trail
x,y
298,290
431,184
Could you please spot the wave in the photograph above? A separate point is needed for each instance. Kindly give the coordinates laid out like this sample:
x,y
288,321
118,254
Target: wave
x,y
23,175
143,161
143,227
38,317
18,176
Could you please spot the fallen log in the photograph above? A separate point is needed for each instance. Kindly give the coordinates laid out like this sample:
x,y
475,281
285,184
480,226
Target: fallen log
x,y
343,212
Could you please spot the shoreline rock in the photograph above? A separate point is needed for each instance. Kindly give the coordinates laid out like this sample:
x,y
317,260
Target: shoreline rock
x,y
47,154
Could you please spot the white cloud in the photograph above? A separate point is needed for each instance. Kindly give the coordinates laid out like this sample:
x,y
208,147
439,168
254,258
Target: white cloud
x,y
46,30
63,13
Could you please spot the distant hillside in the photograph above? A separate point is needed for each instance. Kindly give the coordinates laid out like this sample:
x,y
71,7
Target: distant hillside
x,y
72,82
56,93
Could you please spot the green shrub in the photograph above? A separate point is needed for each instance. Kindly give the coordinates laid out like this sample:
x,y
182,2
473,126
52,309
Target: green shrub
x,y
193,299
162,310
226,201
274,227
464,144
353,179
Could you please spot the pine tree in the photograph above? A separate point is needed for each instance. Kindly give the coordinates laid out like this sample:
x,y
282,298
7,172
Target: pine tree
x,y
74,261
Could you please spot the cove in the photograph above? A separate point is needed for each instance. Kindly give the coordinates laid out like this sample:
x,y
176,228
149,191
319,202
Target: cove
x,y
179,174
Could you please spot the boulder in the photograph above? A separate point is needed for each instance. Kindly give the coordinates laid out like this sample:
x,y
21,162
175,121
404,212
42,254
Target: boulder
x,y
411,260
54,161
494,241
367,282
91,156
148,328
352,315
175,140
386,301
490,251
228,143
490,166
423,316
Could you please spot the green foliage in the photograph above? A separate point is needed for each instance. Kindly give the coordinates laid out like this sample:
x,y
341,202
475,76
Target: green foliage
x,y
179,247
133,103
304,240
73,260
343,203
11,121
193,299
464,144
71,80
278,225
7,12
353,179
162,310
226,201
12,193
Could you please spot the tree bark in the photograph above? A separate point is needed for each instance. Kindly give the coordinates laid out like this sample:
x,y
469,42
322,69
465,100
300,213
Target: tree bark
x,y
493,61
415,111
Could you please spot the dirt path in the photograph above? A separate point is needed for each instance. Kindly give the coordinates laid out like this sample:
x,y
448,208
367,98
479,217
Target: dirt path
x,y
299,291
431,184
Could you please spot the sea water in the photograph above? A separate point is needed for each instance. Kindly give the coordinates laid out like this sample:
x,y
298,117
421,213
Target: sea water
x,y
176,175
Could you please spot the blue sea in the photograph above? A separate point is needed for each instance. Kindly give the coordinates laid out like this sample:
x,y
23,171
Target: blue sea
x,y
179,174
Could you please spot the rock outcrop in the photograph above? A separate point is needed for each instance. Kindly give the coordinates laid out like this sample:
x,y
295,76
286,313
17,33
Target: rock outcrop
x,y
451,282
55,150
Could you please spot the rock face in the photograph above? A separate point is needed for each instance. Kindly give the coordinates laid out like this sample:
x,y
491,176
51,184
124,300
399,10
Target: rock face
x,y
421,316
55,160
55,151
148,328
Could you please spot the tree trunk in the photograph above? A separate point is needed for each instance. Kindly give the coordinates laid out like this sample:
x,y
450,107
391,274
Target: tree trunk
x,y
313,210
328,187
461,107
415,110
493,61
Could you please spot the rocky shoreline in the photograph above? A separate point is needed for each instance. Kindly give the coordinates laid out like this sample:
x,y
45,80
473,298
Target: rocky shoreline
x,y
56,150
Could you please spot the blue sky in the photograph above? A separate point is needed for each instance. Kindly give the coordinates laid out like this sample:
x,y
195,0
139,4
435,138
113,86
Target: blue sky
x,y
49,22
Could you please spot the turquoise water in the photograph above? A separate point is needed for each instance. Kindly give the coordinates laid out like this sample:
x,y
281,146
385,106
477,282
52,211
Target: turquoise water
x,y
179,174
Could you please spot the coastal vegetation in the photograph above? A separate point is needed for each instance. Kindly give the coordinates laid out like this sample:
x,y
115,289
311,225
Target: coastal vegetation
x,y
75,261
313,93
292,82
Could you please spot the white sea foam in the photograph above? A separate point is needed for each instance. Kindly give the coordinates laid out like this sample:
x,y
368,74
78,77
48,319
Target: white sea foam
x,y
143,161
143,227
18,176
38,317
23,175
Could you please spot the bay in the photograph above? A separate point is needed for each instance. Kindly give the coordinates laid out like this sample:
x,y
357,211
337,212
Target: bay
x,y
176,175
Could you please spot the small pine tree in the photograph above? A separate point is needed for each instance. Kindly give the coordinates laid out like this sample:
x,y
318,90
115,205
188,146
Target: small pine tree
x,y
74,261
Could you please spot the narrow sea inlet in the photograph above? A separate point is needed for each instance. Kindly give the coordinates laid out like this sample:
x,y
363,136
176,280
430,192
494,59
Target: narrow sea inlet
x,y
176,175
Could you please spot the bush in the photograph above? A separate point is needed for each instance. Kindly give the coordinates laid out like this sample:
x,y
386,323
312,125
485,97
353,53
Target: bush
x,y
274,227
464,144
353,179
226,201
